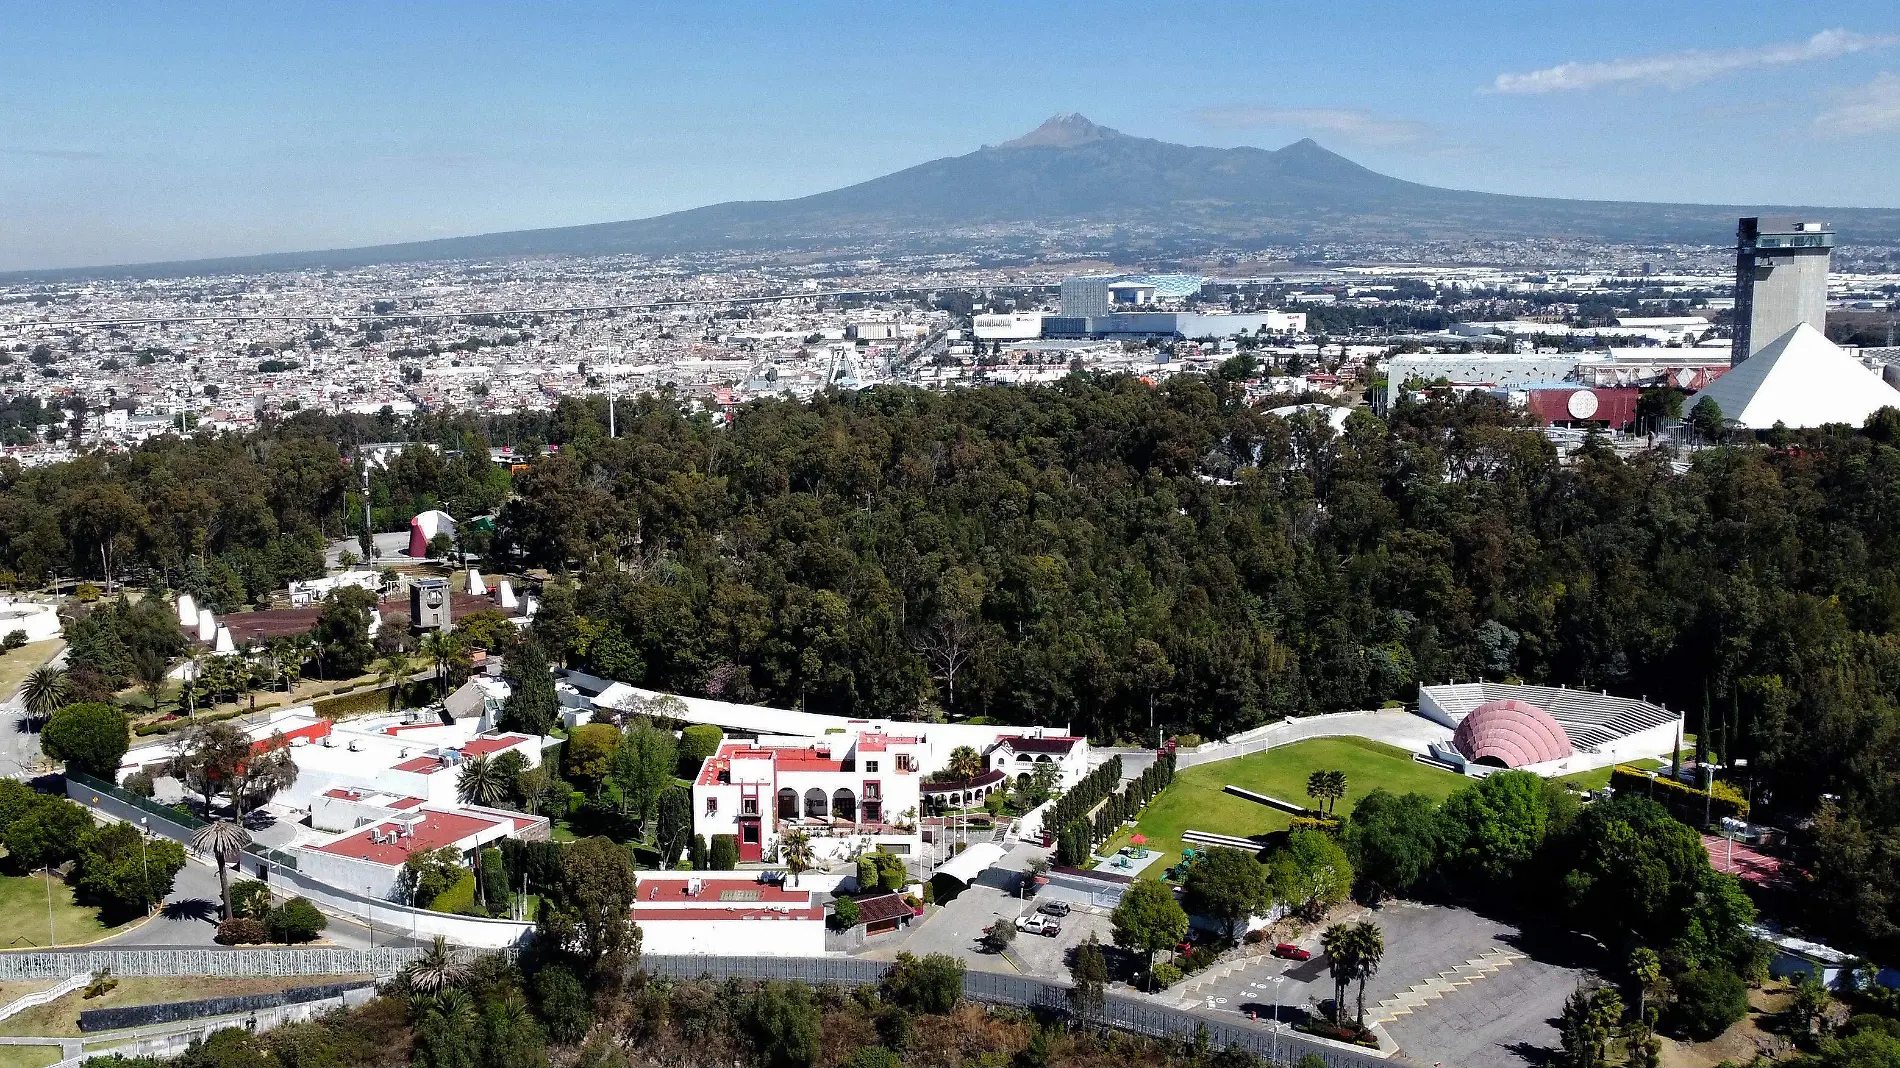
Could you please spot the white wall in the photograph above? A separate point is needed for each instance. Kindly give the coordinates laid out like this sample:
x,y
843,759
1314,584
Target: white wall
x,y
734,938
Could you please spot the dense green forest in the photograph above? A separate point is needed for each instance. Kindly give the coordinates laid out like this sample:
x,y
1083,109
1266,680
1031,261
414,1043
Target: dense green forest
x,y
1099,551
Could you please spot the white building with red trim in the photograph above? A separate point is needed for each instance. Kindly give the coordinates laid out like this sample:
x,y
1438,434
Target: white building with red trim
x,y
1017,755
726,914
847,791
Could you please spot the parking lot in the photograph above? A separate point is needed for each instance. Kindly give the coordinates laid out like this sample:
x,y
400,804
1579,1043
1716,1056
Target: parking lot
x,y
1454,987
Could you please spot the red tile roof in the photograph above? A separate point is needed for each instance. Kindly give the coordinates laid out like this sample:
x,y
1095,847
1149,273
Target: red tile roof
x,y
883,907
714,891
422,765
735,912
485,744
1055,743
433,831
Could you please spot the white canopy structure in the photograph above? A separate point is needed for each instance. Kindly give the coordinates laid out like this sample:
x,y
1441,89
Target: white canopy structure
x,y
1800,380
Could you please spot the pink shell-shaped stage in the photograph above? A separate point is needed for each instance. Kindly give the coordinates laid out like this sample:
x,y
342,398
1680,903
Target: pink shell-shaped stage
x,y
1512,734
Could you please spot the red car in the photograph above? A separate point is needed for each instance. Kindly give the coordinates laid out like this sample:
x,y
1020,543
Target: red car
x,y
1289,951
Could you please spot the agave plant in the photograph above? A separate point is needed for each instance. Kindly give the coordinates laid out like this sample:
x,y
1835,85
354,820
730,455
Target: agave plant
x,y
435,971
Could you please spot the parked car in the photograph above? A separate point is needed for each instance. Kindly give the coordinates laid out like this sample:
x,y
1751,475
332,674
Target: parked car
x,y
1038,924
1053,908
1289,951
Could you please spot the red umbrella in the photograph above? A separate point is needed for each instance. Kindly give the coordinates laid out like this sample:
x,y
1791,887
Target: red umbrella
x,y
1138,839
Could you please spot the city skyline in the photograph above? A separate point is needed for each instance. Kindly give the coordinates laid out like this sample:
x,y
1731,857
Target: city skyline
x,y
218,130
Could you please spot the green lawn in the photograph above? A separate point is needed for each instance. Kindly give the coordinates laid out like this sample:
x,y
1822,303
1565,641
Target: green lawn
x,y
1599,778
23,914
28,1056
1195,800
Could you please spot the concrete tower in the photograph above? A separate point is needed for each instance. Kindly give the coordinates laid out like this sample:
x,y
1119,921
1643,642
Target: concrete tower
x,y
1780,281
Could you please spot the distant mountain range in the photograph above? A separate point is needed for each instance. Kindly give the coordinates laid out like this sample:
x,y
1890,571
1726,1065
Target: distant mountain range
x,y
1070,174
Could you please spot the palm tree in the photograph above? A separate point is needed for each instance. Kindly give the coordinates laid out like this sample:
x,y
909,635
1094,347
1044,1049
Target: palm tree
x,y
482,782
222,838
964,763
1335,789
45,691
435,971
392,671
441,648
1316,787
1338,943
1368,945
795,848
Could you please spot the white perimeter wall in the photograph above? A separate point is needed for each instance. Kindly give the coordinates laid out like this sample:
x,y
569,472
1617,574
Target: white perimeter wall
x,y
734,938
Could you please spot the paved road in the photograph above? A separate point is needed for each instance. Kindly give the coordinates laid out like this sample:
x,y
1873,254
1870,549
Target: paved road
x,y
19,745
189,917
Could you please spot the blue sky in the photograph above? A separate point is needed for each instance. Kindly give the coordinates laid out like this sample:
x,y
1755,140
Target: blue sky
x,y
132,132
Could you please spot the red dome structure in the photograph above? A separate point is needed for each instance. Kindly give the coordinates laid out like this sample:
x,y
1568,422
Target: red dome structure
x,y
1511,734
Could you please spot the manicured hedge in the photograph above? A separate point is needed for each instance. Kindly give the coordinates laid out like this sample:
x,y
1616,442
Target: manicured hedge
x,y
1680,798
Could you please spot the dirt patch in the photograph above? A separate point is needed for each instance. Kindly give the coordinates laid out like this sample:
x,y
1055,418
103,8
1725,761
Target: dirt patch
x,y
1741,1043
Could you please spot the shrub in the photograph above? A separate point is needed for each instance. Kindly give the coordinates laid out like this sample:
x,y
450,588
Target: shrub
x,y
725,853
459,898
1189,741
1166,975
250,899
871,1057
698,742
296,920
1708,1001
933,985
140,783
844,914
13,640
1254,938
565,1006
89,737
242,931
1722,800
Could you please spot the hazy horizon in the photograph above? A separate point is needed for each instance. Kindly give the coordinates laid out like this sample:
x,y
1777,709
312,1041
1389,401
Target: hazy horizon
x,y
214,130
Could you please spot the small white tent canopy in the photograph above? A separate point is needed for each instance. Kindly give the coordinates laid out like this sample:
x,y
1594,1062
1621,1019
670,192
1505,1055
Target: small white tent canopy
x,y
1800,380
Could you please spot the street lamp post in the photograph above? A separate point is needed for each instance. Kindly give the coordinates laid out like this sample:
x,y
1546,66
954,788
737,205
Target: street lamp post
x,y
145,824
1277,980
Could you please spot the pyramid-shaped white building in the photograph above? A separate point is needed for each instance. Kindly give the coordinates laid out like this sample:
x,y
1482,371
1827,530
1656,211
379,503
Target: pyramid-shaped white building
x,y
1800,380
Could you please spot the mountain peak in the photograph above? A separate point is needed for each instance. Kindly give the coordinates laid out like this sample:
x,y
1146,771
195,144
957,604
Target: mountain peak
x,y
1063,131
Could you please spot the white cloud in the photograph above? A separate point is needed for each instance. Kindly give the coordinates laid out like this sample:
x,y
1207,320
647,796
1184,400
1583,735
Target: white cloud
x,y
1870,108
1677,69
1360,127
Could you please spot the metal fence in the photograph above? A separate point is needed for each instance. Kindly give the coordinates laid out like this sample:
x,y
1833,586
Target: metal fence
x,y
1134,1015
165,963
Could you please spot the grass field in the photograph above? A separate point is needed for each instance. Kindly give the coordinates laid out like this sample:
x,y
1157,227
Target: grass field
x,y
1195,800
23,914
28,1056
60,1019
1599,778
17,664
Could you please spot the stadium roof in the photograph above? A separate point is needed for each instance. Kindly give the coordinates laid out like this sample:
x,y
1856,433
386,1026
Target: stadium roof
x,y
1800,380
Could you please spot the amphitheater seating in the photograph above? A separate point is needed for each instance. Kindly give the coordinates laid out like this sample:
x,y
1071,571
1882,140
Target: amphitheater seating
x,y
1592,720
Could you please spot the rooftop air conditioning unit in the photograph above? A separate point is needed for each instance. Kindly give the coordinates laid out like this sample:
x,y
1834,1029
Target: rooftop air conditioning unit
x,y
353,746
